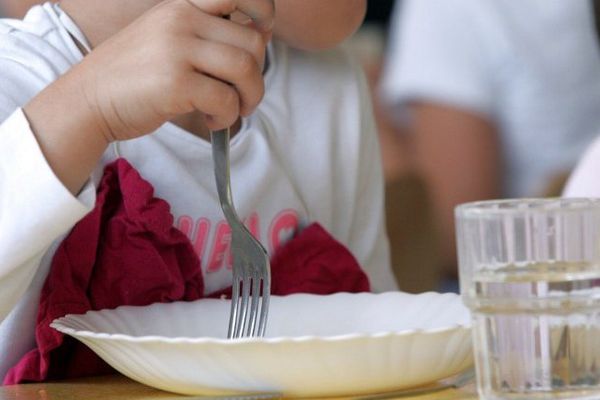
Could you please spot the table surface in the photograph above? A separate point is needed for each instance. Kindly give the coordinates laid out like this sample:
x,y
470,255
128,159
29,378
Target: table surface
x,y
120,388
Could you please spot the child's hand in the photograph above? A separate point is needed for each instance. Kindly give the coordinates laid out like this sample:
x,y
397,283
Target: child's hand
x,y
179,57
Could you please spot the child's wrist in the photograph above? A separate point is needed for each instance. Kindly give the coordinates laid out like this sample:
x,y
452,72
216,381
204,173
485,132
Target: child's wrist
x,y
97,118
63,108
67,131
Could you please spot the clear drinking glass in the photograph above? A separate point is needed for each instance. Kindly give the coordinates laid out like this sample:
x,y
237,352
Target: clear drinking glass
x,y
530,274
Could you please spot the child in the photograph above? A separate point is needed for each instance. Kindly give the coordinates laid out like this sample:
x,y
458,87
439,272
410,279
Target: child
x,y
89,81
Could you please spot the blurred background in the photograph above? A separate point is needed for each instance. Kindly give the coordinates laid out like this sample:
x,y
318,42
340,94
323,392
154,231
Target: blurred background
x,y
474,99
414,242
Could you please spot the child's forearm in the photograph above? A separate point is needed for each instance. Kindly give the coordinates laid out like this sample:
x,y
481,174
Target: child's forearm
x,y
68,131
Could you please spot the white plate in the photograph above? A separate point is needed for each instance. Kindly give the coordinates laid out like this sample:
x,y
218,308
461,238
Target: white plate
x,y
342,344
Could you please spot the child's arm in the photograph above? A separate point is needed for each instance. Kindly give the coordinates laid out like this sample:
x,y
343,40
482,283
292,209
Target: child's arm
x,y
127,87
179,57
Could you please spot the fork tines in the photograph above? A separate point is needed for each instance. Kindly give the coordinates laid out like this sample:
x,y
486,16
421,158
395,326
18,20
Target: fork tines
x,y
249,311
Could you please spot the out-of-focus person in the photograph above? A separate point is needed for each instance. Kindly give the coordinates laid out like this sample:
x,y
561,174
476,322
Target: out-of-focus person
x,y
501,96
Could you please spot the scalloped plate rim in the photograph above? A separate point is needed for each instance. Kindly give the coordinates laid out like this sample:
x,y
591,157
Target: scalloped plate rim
x,y
62,325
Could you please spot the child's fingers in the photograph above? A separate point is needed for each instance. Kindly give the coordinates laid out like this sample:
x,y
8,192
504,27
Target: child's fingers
x,y
262,12
222,107
214,7
233,34
232,65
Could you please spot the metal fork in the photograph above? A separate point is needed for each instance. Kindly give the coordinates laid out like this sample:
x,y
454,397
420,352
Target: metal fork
x,y
251,268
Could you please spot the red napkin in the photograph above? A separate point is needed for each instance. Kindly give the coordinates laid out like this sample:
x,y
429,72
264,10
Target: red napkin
x,y
127,252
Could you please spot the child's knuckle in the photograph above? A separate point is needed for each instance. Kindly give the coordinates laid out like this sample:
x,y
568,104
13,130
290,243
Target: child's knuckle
x,y
171,103
253,101
175,81
230,102
230,5
174,15
163,44
260,93
181,6
227,118
246,65
169,79
256,42
229,99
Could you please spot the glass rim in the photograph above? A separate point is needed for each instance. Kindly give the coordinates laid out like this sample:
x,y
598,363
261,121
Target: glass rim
x,y
528,205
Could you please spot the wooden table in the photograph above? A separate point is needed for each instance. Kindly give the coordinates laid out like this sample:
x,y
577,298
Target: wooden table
x,y
121,388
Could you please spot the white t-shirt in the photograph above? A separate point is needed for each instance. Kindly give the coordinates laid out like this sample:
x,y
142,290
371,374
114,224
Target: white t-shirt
x,y
309,153
532,66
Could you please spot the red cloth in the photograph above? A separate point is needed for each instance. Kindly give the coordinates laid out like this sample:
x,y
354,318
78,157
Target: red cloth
x,y
127,252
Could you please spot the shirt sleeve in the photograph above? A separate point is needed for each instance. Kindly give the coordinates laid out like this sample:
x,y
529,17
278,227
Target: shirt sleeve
x,y
437,54
35,207
585,179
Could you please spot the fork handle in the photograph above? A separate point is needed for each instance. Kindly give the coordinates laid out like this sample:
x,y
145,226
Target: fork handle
x,y
220,150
